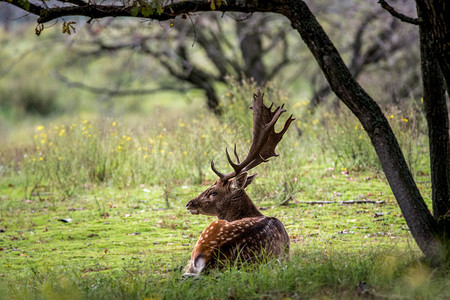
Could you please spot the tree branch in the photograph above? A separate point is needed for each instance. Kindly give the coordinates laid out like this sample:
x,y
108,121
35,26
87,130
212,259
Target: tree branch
x,y
113,93
396,14
164,13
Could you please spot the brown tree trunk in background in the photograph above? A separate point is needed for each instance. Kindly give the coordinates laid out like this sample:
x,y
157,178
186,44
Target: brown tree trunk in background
x,y
251,49
435,107
200,80
423,226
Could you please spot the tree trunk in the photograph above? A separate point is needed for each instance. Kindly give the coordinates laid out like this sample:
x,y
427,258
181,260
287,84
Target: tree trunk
x,y
434,21
421,223
435,107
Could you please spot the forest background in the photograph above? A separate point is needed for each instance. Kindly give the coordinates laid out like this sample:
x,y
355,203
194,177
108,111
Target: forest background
x,y
108,128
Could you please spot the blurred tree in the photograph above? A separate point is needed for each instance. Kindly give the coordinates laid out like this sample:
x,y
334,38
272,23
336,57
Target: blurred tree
x,y
430,232
377,40
230,47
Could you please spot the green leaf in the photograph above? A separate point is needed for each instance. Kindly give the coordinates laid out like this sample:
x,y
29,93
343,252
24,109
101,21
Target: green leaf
x,y
159,9
135,11
25,4
147,11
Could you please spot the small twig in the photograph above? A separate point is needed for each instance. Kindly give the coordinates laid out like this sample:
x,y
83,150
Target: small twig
x,y
400,16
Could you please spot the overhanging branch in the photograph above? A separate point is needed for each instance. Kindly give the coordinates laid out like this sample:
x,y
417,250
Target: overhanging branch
x,y
96,11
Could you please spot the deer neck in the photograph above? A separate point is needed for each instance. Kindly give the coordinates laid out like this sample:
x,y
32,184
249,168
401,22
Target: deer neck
x,y
242,207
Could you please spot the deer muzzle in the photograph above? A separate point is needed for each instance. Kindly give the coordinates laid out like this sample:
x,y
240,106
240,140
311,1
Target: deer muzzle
x,y
193,209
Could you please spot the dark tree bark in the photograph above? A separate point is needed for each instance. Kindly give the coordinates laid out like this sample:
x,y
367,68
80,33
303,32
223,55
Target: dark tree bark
x,y
435,20
435,107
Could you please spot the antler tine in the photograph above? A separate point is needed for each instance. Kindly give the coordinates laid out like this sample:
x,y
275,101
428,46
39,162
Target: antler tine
x,y
236,155
221,175
286,125
233,165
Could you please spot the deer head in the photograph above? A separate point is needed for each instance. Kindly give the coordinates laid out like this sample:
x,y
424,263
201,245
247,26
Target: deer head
x,y
227,199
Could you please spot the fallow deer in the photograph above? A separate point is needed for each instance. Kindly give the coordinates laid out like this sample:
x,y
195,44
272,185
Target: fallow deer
x,y
242,231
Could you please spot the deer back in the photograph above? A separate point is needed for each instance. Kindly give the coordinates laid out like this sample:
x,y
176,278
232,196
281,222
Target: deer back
x,y
248,239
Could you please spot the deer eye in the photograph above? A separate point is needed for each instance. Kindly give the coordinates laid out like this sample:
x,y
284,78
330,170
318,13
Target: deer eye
x,y
212,194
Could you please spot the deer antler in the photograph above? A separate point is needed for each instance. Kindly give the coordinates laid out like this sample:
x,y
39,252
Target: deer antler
x,y
265,139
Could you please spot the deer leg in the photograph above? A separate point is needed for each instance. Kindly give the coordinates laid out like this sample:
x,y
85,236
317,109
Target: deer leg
x,y
196,266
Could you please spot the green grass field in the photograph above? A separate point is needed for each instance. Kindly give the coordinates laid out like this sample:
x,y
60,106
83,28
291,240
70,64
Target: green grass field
x,y
124,187
93,206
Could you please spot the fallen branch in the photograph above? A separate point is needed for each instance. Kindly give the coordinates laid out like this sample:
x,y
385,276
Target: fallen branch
x,y
342,202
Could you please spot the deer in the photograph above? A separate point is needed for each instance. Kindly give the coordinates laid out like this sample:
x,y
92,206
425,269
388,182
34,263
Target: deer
x,y
242,232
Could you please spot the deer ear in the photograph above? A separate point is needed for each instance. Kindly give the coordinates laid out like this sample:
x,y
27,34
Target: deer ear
x,y
239,181
250,180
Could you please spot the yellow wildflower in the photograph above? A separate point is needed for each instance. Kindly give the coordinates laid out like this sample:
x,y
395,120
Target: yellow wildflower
x,y
39,128
114,124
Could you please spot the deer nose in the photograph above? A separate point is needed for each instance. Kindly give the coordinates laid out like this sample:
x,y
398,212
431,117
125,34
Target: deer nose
x,y
189,204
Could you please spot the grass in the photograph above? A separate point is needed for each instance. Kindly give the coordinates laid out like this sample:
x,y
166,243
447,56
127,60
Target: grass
x,y
123,184
126,243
